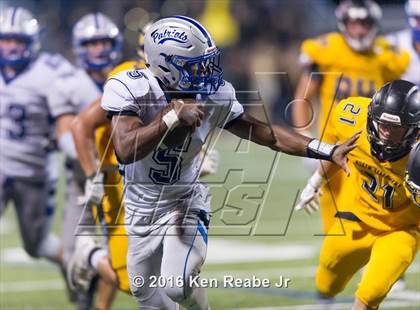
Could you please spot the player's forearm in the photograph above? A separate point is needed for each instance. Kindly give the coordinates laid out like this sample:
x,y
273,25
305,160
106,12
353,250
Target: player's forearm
x,y
84,140
327,170
274,137
290,142
132,141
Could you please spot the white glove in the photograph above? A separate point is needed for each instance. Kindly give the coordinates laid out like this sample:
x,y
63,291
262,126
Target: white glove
x,y
309,198
94,189
210,162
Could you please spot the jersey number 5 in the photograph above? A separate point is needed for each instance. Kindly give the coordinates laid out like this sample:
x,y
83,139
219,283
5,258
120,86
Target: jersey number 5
x,y
171,162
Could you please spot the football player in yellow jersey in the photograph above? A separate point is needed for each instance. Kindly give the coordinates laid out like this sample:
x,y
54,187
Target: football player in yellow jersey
x,y
374,209
91,133
352,62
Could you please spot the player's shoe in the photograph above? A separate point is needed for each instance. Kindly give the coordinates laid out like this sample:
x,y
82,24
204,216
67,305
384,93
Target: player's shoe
x,y
79,271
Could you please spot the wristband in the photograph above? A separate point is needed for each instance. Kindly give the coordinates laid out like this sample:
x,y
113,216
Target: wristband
x,y
316,180
171,119
320,150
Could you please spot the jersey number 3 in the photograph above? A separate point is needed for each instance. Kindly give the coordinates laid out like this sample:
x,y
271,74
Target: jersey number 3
x,y
17,113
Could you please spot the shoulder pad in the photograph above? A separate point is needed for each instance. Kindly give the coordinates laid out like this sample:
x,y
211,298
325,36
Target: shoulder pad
x,y
318,50
133,83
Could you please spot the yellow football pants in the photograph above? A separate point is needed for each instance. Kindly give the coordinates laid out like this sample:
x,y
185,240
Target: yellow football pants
x,y
330,193
386,255
111,216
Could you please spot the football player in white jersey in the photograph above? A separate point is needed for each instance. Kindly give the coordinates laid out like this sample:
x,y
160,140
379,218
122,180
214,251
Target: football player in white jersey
x,y
97,44
181,94
25,127
409,39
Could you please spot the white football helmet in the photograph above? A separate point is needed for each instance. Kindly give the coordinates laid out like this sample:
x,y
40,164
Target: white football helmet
x,y
412,9
19,23
180,52
96,26
367,10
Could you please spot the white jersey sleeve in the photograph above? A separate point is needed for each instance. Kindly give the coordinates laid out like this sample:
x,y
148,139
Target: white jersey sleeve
x,y
126,94
70,93
231,108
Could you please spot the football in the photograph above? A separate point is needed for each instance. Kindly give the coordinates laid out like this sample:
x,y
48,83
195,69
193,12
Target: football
x,y
177,136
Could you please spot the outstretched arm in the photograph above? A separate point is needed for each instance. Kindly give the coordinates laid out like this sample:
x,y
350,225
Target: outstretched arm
x,y
284,140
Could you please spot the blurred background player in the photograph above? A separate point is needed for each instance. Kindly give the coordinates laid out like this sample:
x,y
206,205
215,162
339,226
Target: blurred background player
x,y
375,211
97,46
409,40
99,164
352,62
25,127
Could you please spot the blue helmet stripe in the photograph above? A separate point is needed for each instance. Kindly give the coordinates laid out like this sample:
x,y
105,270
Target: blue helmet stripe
x,y
201,28
12,20
96,20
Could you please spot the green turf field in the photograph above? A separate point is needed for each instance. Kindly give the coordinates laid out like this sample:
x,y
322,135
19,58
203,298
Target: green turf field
x,y
254,234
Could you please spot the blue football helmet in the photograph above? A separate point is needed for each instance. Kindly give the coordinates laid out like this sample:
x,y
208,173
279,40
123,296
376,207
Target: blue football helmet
x,y
180,52
19,23
92,27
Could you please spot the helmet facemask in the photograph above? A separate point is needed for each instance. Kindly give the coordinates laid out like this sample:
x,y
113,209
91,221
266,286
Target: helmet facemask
x,y
389,149
201,74
93,28
22,27
364,43
367,14
98,61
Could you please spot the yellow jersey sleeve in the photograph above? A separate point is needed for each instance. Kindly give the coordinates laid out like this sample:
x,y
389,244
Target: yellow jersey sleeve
x,y
127,65
394,60
349,116
319,51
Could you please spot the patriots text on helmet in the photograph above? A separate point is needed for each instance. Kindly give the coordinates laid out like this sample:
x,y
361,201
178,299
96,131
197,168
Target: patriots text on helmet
x,y
166,35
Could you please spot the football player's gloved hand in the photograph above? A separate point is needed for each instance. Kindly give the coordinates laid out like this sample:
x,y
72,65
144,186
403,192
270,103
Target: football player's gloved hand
x,y
309,198
94,189
210,162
